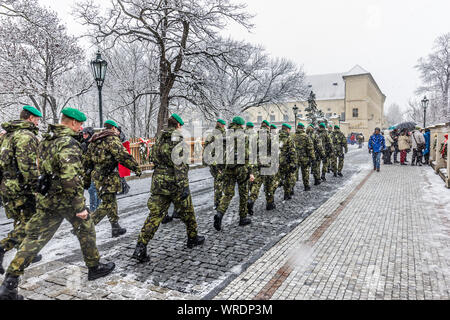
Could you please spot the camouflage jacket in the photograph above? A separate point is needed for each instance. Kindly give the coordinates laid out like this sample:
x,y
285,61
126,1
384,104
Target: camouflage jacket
x,y
101,161
18,159
211,139
60,156
317,143
237,134
265,131
288,152
304,147
169,177
339,143
326,142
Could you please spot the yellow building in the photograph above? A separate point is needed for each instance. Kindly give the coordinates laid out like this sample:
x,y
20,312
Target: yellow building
x,y
352,99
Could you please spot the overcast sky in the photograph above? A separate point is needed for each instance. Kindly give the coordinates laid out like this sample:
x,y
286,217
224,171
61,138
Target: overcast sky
x,y
329,36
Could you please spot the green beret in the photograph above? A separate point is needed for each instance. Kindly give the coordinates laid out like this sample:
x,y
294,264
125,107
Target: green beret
x,y
250,124
221,122
111,122
273,126
301,125
33,111
239,121
74,114
287,125
337,127
266,122
178,118
323,125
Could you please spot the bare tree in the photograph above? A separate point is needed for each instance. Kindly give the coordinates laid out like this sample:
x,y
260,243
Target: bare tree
x,y
393,114
180,29
39,61
435,73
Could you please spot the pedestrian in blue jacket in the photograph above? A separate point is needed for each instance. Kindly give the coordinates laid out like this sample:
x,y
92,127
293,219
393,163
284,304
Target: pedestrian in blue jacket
x,y
377,145
426,152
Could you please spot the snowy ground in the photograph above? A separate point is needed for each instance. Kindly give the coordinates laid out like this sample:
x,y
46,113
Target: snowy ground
x,y
204,271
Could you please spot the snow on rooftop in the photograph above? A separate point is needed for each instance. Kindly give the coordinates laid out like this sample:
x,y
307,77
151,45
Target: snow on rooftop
x,y
356,70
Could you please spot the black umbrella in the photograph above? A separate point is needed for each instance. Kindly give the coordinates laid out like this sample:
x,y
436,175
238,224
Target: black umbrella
x,y
406,125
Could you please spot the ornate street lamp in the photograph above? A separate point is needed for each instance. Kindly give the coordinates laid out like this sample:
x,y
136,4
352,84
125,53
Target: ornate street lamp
x,y
295,109
425,106
99,67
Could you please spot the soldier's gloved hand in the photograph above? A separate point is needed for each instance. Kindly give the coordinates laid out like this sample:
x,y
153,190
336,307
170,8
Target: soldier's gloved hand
x,y
185,194
252,178
83,215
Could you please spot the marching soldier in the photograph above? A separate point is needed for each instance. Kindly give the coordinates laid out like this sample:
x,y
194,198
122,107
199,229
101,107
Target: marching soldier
x,y
332,161
60,196
101,161
19,175
319,153
170,184
216,169
327,145
305,154
288,160
340,143
236,173
267,180
277,183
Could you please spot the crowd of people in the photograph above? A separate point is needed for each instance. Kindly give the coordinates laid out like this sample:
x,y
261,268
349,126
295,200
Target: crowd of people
x,y
42,182
388,145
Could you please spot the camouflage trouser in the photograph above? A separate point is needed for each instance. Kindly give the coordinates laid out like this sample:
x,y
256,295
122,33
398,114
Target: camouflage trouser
x,y
288,178
269,187
315,169
240,176
20,211
158,205
340,159
333,163
108,207
41,229
218,184
305,174
325,163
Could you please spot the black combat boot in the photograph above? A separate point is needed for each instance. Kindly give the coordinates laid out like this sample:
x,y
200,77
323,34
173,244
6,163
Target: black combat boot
x,y
324,178
102,270
117,230
167,219
271,206
197,241
340,174
335,174
317,182
250,205
36,259
8,289
292,193
140,253
218,221
244,221
2,254
307,188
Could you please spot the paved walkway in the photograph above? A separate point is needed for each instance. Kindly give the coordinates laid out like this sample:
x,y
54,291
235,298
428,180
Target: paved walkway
x,y
385,236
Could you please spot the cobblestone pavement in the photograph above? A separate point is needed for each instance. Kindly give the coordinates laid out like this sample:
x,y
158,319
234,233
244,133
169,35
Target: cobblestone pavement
x,y
206,272
385,236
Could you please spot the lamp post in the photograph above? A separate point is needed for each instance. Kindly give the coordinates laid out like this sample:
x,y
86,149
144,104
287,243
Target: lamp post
x,y
425,106
99,67
295,109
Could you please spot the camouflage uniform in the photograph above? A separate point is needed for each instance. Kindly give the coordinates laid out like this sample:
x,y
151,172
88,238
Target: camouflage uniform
x,y
305,154
340,143
168,184
288,162
332,163
328,150
236,174
101,161
216,169
319,154
268,181
60,158
20,173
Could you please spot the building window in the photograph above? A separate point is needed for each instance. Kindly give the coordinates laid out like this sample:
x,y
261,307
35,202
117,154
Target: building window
x,y
286,118
343,116
260,119
329,109
272,118
355,113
